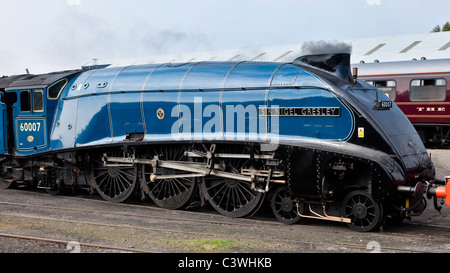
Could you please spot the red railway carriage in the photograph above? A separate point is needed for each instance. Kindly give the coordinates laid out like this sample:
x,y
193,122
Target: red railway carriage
x,y
420,89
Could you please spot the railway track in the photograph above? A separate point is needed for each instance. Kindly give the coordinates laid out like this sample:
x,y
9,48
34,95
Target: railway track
x,y
308,245
77,247
201,229
73,246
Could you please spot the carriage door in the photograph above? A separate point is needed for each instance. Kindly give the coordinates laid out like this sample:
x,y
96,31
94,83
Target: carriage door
x,y
30,122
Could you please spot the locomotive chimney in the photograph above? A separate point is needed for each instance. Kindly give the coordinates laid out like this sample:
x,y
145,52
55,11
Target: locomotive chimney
x,y
336,64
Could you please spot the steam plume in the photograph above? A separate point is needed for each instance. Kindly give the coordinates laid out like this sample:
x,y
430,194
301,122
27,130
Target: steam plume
x,y
325,47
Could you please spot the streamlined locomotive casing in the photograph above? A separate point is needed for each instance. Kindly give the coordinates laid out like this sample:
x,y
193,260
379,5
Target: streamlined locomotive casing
x,y
326,118
308,127
198,101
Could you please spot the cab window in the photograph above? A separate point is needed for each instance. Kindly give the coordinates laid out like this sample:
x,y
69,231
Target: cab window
x,y
55,90
25,101
32,101
38,101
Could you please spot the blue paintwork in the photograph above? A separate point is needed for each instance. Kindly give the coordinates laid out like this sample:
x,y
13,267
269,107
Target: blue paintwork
x,y
31,133
167,78
31,128
3,127
104,106
63,133
209,74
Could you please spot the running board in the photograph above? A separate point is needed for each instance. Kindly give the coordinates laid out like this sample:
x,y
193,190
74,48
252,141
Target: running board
x,y
225,155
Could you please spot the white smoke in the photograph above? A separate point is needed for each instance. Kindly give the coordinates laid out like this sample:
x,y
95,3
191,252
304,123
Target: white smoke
x,y
325,47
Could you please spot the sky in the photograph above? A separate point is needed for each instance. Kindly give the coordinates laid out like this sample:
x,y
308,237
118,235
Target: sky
x,y
51,35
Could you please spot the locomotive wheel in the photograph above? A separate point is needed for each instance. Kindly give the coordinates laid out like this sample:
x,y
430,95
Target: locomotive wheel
x,y
283,207
366,214
232,198
115,183
171,193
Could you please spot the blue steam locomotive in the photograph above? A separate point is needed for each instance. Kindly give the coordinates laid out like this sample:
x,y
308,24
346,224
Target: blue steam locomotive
x,y
307,136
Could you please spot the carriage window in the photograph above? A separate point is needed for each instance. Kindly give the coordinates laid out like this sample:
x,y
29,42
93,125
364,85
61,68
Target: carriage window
x,y
25,101
55,90
428,90
387,87
38,101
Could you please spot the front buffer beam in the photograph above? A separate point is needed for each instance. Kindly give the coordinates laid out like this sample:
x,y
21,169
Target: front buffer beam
x,y
430,191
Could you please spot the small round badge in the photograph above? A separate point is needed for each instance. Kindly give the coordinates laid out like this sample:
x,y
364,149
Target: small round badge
x,y
160,113
30,139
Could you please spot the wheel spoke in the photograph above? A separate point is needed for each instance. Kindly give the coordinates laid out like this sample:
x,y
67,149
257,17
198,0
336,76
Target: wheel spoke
x,y
123,181
239,194
250,193
179,184
126,173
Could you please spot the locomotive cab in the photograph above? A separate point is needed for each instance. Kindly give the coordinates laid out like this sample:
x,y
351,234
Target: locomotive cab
x,y
30,121
28,110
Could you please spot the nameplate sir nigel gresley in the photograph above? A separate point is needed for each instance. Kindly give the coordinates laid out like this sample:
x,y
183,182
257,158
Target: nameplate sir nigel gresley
x,y
300,111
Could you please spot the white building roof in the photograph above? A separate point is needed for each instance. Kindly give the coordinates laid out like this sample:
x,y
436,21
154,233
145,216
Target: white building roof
x,y
402,47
